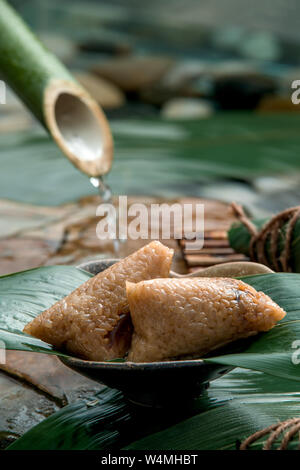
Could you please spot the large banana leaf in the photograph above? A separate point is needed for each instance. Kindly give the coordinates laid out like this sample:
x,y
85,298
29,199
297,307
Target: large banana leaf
x,y
238,405
234,406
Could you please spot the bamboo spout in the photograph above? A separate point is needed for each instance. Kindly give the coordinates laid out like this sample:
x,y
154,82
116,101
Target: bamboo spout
x,y
78,126
72,117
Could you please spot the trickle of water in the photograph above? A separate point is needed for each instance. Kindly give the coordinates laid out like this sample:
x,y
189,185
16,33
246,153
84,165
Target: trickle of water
x,y
103,188
106,196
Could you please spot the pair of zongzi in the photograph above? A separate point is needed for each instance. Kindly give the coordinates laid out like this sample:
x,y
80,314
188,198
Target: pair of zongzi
x,y
134,308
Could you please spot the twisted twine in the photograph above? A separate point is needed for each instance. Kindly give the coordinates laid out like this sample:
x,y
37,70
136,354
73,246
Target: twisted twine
x,y
290,426
271,230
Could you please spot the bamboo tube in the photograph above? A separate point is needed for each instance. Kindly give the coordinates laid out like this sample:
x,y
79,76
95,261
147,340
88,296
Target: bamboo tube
x,y
74,119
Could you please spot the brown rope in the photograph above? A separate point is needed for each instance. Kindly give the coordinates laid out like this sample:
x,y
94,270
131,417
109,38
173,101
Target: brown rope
x,y
280,427
270,231
292,427
257,435
289,436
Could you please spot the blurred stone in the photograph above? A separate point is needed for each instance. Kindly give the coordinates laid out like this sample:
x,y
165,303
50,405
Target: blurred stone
x,y
260,45
286,80
227,68
181,74
242,91
179,80
277,104
156,95
187,108
228,37
108,95
276,184
102,46
133,73
195,78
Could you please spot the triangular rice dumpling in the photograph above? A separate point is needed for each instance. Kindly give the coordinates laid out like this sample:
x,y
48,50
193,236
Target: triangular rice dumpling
x,y
93,321
192,316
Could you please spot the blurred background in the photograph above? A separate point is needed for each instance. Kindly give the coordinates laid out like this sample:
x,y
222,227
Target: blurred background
x,y
197,92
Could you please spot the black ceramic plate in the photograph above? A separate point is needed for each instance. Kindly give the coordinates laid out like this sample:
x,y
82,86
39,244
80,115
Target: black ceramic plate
x,y
153,383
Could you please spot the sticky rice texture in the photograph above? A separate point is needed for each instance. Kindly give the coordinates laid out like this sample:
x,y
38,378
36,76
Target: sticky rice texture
x,y
85,323
190,317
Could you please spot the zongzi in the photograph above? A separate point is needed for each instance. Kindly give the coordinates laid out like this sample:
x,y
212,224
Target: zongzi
x,y
173,318
93,321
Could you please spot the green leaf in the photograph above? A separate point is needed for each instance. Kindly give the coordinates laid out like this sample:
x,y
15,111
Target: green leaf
x,y
245,402
234,407
26,294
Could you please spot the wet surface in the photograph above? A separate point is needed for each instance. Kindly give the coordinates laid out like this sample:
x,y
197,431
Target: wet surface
x,y
67,236
32,387
21,407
